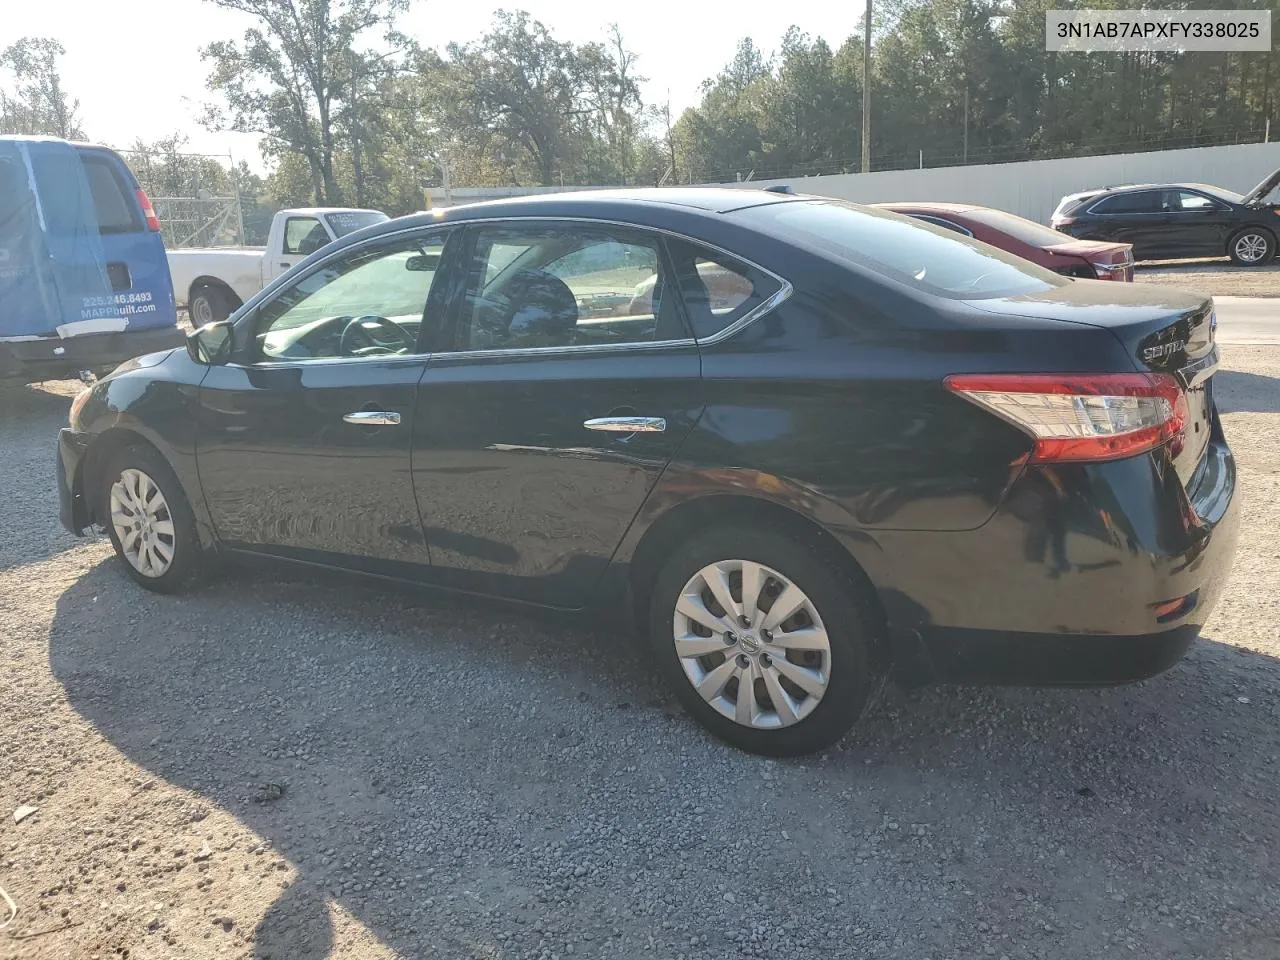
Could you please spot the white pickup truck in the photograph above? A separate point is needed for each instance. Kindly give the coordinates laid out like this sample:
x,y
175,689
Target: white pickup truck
x,y
212,283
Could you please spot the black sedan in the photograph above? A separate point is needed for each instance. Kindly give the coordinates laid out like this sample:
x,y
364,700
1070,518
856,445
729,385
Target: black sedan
x,y
797,443
1174,221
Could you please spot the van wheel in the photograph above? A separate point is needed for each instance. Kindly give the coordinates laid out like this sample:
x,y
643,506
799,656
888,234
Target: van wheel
x,y
1252,246
210,305
765,644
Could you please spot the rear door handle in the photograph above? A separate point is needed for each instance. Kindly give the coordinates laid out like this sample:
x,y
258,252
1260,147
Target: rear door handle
x,y
627,424
373,418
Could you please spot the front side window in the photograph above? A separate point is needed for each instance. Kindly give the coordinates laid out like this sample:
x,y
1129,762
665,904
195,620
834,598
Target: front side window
x,y
536,286
368,302
1185,200
917,254
303,236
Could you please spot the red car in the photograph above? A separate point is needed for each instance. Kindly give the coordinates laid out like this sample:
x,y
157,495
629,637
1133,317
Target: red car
x,y
1032,241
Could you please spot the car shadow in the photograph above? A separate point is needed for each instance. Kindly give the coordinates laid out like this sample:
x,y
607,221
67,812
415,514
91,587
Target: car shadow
x,y
467,783
1238,392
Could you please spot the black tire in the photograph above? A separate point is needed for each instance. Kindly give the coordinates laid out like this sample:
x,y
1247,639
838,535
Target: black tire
x,y
187,561
210,305
840,603
1249,239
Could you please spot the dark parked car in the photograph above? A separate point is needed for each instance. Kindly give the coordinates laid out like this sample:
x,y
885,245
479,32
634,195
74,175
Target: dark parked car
x,y
1088,259
884,445
1173,221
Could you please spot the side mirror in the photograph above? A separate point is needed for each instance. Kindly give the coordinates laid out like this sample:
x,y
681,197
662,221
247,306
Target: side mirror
x,y
211,344
422,262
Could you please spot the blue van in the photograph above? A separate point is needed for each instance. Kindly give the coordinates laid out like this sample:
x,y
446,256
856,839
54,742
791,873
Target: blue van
x,y
84,282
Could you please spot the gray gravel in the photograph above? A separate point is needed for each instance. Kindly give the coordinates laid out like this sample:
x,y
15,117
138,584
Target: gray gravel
x,y
275,767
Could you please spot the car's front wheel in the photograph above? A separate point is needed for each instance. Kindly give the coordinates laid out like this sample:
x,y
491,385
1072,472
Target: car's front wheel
x,y
149,520
1252,246
764,641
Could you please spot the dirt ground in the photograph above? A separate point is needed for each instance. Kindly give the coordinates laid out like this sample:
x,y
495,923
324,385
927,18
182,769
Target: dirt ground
x,y
274,768
1218,278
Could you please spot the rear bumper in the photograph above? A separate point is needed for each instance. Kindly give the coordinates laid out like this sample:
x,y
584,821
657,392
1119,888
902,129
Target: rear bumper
x,y
50,357
1089,575
73,511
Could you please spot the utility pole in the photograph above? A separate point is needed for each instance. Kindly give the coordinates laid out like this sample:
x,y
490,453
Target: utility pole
x,y
965,158
866,93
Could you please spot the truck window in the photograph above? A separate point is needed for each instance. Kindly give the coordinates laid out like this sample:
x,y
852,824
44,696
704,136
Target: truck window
x,y
116,210
303,236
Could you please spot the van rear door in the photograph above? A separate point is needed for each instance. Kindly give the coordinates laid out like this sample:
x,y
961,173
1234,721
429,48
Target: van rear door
x,y
109,261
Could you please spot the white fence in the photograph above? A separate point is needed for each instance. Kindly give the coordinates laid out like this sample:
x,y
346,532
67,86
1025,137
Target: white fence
x,y
1032,189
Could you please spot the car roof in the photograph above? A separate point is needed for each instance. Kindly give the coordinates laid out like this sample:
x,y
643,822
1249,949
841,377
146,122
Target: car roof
x,y
604,203
931,207
1133,187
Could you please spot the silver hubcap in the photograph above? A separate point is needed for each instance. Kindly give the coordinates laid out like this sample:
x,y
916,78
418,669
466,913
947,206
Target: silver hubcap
x,y
1251,247
201,312
142,523
752,644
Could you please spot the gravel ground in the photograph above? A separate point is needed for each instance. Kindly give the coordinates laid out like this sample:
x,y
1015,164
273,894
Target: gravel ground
x,y
274,768
1218,278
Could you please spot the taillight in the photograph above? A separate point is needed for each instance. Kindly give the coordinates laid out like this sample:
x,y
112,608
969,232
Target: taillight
x,y
1083,416
1106,271
148,211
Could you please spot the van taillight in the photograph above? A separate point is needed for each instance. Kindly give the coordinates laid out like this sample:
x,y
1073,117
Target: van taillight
x,y
1083,416
148,211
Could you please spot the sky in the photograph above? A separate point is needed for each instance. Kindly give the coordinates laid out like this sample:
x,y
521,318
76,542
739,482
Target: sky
x,y
135,65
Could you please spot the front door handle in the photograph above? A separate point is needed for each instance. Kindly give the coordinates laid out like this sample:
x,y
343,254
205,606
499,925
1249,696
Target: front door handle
x,y
627,424
373,418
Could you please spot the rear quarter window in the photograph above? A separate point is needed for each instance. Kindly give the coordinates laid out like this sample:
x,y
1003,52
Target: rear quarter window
x,y
931,259
718,290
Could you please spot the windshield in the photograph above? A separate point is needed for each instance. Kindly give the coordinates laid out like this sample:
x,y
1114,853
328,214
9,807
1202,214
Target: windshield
x,y
929,258
1028,231
349,221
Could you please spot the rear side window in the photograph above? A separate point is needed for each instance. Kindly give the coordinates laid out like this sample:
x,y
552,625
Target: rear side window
x,y
718,290
944,224
922,256
114,207
1144,201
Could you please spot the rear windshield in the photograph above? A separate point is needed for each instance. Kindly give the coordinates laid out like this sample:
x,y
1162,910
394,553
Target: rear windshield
x,y
116,210
928,258
1028,231
349,221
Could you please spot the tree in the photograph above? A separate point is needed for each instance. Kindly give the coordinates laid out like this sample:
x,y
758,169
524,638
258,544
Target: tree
x,y
520,106
38,105
292,74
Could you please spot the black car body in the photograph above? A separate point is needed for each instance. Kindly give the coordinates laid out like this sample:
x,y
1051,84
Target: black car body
x,y
1173,221
850,402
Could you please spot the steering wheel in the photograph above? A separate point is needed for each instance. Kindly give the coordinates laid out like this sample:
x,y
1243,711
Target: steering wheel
x,y
361,329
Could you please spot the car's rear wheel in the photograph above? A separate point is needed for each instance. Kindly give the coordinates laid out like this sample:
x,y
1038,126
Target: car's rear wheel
x,y
764,642
149,520
1252,247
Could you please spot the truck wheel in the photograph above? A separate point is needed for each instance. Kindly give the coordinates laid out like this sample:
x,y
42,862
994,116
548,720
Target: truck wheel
x,y
209,305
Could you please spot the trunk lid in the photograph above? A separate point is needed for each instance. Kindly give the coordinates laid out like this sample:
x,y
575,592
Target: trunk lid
x,y
1258,193
1116,259
1163,331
